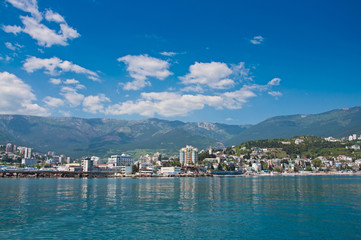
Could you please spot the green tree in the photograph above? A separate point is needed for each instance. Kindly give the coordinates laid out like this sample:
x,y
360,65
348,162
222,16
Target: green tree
x,y
308,168
135,169
317,162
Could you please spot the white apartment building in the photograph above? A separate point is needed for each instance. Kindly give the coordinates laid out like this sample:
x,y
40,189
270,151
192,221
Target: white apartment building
x,y
188,155
120,160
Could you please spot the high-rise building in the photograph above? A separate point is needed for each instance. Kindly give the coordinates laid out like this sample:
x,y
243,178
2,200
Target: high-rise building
x,y
9,148
188,155
28,153
87,164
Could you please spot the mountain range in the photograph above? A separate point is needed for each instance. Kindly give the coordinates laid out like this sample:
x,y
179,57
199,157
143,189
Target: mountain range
x,y
78,137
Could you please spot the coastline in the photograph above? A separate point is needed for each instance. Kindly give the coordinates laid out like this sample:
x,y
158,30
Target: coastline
x,y
64,174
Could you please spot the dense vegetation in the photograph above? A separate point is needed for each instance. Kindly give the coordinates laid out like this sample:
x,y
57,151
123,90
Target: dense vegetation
x,y
310,147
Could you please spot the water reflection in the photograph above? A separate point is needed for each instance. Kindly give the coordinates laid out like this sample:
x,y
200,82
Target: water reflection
x,y
220,207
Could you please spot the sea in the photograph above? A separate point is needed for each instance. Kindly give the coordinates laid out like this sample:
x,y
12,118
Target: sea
x,y
224,207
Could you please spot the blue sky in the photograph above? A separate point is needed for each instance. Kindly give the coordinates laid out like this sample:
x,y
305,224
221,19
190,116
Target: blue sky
x,y
234,62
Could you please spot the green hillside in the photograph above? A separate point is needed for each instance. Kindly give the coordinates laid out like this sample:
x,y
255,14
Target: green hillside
x,y
77,137
336,123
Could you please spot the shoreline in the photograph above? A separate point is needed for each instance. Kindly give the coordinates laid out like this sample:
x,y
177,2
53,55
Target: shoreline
x,y
64,174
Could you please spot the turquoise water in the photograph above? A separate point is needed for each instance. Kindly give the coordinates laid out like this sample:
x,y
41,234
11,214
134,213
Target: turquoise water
x,y
318,207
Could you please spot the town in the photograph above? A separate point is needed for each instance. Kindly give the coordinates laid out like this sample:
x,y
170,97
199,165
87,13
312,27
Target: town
x,y
293,156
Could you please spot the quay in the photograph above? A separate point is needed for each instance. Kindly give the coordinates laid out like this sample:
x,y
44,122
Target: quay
x,y
81,174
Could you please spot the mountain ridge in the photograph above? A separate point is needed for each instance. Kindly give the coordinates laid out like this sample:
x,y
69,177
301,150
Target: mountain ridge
x,y
75,136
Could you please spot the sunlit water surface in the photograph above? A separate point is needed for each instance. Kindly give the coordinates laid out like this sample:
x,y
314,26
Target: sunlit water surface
x,y
313,207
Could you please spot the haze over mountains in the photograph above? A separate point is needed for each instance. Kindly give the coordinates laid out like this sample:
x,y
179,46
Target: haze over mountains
x,y
78,137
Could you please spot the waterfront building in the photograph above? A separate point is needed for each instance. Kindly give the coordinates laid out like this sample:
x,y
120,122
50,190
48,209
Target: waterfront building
x,y
126,169
61,159
96,160
73,167
87,165
145,161
51,161
188,155
28,161
28,153
9,148
170,170
157,157
69,160
120,160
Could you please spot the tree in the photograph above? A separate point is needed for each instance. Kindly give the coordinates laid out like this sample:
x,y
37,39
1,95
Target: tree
x,y
135,169
308,168
317,162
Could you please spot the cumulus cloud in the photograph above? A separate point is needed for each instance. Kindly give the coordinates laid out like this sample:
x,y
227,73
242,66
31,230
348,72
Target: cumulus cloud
x,y
45,36
32,25
214,75
53,102
94,104
55,66
16,97
53,17
170,104
30,6
72,96
256,40
12,29
71,81
55,81
141,67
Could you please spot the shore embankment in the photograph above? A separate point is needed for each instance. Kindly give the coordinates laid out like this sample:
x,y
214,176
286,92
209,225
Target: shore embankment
x,y
80,174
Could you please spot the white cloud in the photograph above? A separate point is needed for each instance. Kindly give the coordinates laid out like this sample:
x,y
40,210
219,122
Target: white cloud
x,y
48,37
53,102
274,82
275,93
94,104
141,67
55,81
196,88
256,40
170,104
241,72
30,6
72,96
12,29
16,97
71,81
32,25
168,54
214,75
55,66
8,58
53,17
10,46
